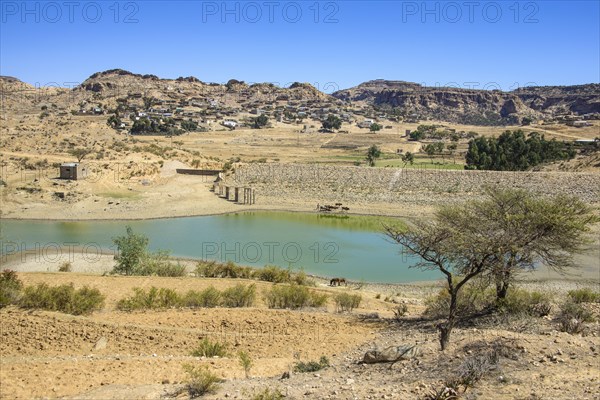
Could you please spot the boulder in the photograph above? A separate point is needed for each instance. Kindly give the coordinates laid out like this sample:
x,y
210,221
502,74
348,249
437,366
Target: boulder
x,y
391,354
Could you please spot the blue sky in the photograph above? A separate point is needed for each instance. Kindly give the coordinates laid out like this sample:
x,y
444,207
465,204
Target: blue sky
x,y
331,44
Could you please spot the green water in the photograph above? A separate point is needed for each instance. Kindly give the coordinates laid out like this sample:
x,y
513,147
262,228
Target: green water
x,y
352,247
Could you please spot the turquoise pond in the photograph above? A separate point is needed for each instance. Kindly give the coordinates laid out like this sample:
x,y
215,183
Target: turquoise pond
x,y
352,246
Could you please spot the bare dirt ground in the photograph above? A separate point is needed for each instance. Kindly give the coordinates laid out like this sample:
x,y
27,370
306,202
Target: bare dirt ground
x,y
54,355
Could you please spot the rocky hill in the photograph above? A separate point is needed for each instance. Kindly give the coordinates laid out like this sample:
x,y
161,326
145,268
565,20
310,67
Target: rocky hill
x,y
477,107
411,101
121,83
578,99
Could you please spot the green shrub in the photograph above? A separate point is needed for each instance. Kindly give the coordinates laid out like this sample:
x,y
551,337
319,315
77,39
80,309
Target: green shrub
x,y
472,298
212,269
135,259
63,298
520,301
245,362
585,295
170,270
317,299
152,299
443,393
209,298
205,269
268,394
301,278
239,296
311,366
200,380
573,316
158,264
65,267
272,273
10,288
347,302
206,348
400,311
87,300
293,296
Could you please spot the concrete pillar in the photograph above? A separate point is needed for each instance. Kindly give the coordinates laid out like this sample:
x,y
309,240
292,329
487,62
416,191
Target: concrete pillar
x,y
236,194
227,192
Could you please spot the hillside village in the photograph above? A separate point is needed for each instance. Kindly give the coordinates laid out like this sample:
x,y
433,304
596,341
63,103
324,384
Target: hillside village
x,y
187,104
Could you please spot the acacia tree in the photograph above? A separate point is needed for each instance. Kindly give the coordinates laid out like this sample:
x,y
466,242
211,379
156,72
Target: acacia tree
x,y
373,154
532,230
80,153
113,121
451,244
430,150
332,122
507,232
260,122
439,148
375,127
408,157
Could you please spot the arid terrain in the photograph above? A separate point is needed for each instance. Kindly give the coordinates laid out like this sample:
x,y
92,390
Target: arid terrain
x,y
115,354
292,165
133,176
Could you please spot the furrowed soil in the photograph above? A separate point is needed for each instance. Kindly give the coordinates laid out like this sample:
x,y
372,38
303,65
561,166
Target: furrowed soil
x,y
112,354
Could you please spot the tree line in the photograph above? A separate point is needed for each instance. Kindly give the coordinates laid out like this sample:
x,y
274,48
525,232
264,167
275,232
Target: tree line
x,y
514,151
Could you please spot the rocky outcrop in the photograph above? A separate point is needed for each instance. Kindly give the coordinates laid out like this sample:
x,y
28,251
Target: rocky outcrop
x,y
118,82
578,99
477,107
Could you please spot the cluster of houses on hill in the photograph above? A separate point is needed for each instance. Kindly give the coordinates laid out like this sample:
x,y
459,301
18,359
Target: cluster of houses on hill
x,y
210,113
234,110
577,121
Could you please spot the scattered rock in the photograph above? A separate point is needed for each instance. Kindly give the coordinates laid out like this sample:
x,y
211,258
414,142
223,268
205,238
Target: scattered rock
x,y
101,344
391,354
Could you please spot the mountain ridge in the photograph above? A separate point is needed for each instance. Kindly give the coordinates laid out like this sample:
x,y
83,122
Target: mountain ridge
x,y
409,100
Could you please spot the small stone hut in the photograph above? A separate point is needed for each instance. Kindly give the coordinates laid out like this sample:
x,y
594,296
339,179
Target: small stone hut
x,y
73,171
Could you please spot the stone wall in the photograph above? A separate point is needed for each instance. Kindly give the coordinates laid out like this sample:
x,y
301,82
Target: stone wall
x,y
364,184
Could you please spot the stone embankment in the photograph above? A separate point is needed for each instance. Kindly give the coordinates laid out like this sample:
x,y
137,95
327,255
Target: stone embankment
x,y
325,183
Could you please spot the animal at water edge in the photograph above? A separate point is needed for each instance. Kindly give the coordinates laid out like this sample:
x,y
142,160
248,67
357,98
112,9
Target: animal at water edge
x,y
338,282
